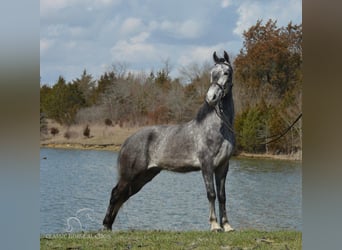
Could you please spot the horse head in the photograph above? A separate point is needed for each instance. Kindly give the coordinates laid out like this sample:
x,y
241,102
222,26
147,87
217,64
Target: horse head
x,y
221,76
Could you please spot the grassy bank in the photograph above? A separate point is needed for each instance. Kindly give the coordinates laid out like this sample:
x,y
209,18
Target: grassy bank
x,y
249,239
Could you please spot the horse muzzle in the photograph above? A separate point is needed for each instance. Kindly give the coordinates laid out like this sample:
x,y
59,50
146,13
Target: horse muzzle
x,y
214,94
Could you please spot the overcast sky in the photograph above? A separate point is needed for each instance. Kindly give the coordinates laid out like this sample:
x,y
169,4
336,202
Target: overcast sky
x,y
94,34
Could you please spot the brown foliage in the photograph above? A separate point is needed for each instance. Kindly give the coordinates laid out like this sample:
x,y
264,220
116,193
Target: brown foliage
x,y
268,73
270,59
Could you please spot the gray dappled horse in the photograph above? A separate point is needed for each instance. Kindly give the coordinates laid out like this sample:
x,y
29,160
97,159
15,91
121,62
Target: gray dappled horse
x,y
205,143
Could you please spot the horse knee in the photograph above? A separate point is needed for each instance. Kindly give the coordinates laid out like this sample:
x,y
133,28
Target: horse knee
x,y
222,197
211,195
222,200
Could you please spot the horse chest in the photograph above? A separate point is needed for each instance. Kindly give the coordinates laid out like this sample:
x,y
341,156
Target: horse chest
x,y
223,153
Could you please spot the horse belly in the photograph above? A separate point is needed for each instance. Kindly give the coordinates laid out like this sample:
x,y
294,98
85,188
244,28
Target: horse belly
x,y
176,162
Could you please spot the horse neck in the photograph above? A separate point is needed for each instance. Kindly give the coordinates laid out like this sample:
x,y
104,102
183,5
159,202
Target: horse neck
x,y
210,122
228,107
204,113
207,114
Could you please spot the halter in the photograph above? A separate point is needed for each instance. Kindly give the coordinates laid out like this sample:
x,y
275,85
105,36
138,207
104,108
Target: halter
x,y
220,86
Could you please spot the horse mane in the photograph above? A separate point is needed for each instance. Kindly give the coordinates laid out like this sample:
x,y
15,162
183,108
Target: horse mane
x,y
204,110
228,106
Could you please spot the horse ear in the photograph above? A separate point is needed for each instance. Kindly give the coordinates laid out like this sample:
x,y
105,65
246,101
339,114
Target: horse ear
x,y
226,57
216,59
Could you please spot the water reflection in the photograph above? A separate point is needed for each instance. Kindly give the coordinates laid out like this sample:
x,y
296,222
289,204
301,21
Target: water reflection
x,y
267,165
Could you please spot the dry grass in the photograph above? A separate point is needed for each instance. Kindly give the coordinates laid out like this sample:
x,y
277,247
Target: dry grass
x,y
293,157
101,136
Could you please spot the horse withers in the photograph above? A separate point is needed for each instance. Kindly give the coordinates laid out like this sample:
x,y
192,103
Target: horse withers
x,y
204,143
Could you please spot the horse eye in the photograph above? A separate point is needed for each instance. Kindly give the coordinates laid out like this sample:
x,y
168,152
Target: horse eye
x,y
225,73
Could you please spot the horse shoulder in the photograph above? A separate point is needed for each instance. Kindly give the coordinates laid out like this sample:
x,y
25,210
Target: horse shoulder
x,y
223,153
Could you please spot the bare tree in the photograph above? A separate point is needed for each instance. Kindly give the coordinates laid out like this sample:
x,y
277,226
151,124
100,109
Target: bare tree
x,y
120,69
193,71
167,68
92,114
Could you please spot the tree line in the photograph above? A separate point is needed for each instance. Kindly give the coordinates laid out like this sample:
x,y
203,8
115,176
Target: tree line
x,y
267,92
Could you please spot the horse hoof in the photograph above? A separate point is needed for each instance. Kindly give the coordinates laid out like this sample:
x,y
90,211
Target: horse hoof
x,y
106,228
228,228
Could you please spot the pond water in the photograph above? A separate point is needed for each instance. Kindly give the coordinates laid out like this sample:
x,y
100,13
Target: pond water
x,y
75,186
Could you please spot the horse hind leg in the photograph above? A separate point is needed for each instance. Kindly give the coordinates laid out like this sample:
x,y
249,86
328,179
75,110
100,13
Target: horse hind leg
x,y
120,194
143,178
123,191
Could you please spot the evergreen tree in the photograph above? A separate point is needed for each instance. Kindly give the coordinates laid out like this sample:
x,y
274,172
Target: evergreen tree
x,y
86,85
62,102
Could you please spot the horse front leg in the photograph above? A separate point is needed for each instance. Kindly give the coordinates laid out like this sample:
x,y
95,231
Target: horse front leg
x,y
208,177
220,179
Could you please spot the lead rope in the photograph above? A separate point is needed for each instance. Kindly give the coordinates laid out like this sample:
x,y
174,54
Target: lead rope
x,y
281,134
222,116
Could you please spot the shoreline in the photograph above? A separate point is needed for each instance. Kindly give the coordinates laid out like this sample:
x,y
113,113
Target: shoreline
x,y
84,146
290,157
116,147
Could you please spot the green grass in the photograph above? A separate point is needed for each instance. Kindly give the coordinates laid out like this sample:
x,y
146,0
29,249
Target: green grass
x,y
238,240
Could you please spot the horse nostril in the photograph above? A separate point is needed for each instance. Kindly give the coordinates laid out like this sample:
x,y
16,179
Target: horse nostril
x,y
214,97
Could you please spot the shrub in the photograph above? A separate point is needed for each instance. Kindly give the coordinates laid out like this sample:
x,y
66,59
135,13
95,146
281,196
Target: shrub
x,y
54,131
108,122
86,131
250,127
